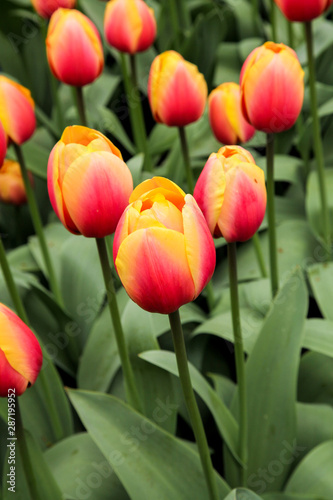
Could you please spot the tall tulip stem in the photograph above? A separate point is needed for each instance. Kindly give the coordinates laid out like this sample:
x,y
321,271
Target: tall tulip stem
x,y
186,157
273,21
210,295
37,222
259,255
80,106
271,214
318,146
131,390
175,22
191,404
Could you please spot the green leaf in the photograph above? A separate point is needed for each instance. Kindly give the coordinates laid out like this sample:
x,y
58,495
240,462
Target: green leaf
x,y
140,452
315,381
36,157
242,494
322,39
229,64
286,168
313,202
318,336
321,278
109,122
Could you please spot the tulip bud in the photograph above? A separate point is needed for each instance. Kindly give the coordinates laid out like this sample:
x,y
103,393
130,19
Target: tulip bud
x,y
73,47
129,25
3,144
272,87
177,92
17,110
45,8
21,357
225,115
298,10
88,182
12,188
231,193
163,251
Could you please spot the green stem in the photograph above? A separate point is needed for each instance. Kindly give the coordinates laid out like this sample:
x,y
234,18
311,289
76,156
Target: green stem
x,y
80,106
36,219
271,214
259,255
291,39
191,404
318,146
53,411
131,105
184,15
186,156
255,13
239,358
210,295
131,390
175,22
46,122
273,21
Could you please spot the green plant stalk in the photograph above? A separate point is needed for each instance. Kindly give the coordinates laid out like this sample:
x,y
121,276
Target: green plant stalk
x,y
46,122
273,21
255,13
175,22
53,412
291,38
318,146
191,404
184,15
37,222
131,390
239,359
186,157
271,214
210,295
80,106
259,255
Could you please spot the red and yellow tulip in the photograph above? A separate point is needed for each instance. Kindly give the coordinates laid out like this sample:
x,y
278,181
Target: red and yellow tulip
x,y
163,251
177,92
73,47
45,8
231,193
272,87
88,182
303,11
225,115
21,357
12,188
129,25
17,110
3,144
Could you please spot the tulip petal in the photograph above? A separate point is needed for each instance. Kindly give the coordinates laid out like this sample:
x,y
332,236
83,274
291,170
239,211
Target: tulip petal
x,y
123,25
10,378
156,182
86,136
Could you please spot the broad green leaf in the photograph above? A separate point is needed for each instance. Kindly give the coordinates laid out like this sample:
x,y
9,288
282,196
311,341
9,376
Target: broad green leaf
x,y
322,39
242,494
321,279
109,122
21,259
315,381
286,168
313,202
288,496
228,65
36,157
135,164
318,336
224,387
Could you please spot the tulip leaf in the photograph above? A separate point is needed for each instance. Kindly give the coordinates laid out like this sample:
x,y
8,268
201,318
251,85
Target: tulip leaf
x,y
242,494
313,202
315,381
321,278
140,452
318,336
322,39
109,123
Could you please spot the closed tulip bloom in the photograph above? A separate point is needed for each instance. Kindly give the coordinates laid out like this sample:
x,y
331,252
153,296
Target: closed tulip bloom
x,y
129,25
88,182
177,92
272,87
17,110
3,144
45,8
73,47
21,357
298,10
231,193
12,188
163,251
226,117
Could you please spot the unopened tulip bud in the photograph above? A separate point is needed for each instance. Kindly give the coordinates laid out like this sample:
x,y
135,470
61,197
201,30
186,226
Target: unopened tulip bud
x,y
303,11
12,188
45,8
3,144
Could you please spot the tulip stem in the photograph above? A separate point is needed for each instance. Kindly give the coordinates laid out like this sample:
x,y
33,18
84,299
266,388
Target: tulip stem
x,y
131,389
210,295
273,21
175,22
191,404
271,214
239,359
186,156
259,255
37,222
80,106
318,146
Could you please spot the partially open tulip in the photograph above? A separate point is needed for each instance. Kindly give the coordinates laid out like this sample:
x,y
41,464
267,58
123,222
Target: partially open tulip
x,y
177,92
3,144
45,8
73,47
17,110
303,11
163,251
231,193
88,182
272,87
225,115
20,354
129,25
12,188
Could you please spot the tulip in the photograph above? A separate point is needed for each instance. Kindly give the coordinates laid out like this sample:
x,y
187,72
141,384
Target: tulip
x,y
225,115
20,354
12,188
298,10
16,110
3,144
177,92
73,47
163,251
88,182
45,8
272,87
129,25
231,194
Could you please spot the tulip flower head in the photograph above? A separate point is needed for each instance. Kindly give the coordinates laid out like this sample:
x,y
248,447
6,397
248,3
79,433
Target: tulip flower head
x,y
21,357
225,115
45,8
3,144
12,188
163,251
272,87
177,92
17,110
88,182
73,47
129,25
298,10
231,193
